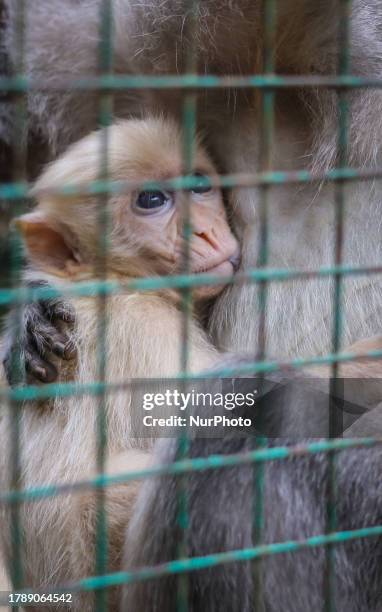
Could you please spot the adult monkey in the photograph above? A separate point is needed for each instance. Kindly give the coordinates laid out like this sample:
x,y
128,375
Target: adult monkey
x,y
152,38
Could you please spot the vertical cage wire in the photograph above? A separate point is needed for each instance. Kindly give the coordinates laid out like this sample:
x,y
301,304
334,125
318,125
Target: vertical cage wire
x,y
19,140
188,145
267,119
335,412
105,67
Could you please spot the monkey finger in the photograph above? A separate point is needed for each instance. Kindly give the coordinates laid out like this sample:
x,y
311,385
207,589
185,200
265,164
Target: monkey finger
x,y
64,348
57,343
43,337
39,369
59,309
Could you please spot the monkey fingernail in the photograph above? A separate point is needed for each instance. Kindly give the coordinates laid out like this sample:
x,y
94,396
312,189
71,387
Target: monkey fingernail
x,y
40,373
46,374
64,348
65,315
59,348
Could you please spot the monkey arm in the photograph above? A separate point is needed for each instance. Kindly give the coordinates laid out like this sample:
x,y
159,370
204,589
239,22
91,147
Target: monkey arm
x,y
295,497
35,333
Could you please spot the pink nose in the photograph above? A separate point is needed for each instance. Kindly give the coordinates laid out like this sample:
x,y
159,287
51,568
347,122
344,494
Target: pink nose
x,y
207,236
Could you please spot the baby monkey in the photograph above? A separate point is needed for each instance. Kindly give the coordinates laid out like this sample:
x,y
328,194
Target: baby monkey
x,y
143,334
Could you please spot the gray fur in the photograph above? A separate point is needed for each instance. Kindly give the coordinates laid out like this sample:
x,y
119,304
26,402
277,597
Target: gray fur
x,y
220,510
153,37
220,505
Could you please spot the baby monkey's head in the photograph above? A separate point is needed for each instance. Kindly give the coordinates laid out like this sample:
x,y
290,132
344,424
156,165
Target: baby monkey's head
x,y
145,228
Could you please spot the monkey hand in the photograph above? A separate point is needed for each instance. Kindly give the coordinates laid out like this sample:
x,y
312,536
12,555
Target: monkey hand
x,y
33,334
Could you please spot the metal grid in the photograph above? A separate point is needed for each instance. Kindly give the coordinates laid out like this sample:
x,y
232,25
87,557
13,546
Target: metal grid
x,y
107,84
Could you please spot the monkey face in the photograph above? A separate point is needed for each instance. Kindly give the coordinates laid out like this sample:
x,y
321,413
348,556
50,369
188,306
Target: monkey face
x,y
146,228
158,220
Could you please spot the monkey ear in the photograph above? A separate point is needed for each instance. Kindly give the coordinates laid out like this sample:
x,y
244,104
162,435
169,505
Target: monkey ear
x,y
47,246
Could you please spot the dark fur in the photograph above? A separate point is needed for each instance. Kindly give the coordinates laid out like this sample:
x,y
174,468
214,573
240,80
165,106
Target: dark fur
x,y
32,335
221,506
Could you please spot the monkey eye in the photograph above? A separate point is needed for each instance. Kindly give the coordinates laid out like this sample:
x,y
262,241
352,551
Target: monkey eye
x,y
202,185
152,201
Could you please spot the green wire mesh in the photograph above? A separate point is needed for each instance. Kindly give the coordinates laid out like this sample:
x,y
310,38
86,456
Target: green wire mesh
x,y
106,84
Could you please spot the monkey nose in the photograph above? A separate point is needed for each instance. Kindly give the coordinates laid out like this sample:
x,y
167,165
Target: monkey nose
x,y
208,237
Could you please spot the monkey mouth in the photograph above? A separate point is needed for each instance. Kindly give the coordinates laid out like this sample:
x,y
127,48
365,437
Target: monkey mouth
x,y
223,268
235,261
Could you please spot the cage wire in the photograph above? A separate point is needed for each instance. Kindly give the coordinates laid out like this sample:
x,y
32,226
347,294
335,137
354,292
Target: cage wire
x,y
15,194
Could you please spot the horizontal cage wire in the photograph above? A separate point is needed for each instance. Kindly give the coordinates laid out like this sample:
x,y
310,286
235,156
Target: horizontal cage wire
x,y
13,294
